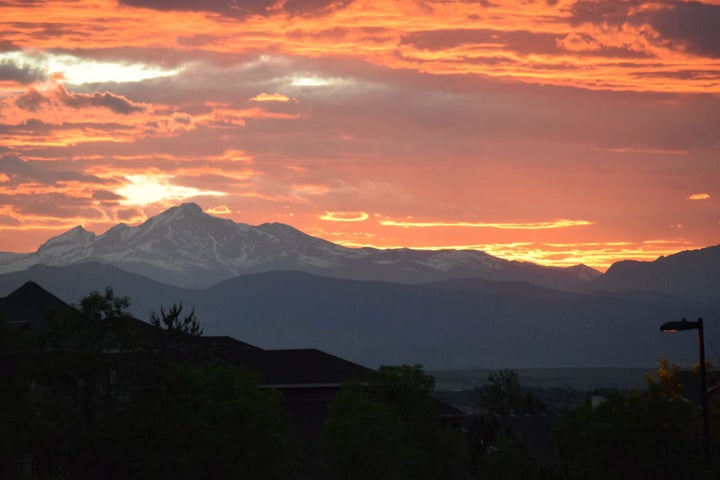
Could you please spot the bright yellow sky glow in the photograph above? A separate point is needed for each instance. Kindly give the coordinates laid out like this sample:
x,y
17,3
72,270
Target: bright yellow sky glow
x,y
144,190
219,210
77,70
344,216
311,81
270,97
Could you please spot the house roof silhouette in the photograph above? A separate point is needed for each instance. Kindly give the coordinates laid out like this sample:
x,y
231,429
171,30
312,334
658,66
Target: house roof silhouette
x,y
29,306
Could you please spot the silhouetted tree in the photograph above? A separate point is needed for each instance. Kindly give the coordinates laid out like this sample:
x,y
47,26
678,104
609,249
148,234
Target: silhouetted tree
x,y
648,434
176,333
211,422
494,451
172,320
17,351
110,404
504,395
389,428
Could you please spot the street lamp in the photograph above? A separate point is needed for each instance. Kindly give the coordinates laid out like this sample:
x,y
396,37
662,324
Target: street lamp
x,y
686,325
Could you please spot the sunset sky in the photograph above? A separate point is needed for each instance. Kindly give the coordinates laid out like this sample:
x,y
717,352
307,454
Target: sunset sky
x,y
554,131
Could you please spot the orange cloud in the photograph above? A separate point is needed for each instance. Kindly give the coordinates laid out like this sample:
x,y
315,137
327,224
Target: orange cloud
x,y
562,223
699,196
59,117
344,216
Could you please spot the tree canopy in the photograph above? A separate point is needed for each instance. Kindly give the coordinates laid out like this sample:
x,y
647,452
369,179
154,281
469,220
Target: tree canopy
x,y
109,403
388,427
652,433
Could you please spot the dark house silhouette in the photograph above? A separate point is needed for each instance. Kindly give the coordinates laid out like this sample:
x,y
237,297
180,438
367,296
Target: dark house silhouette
x,y
308,379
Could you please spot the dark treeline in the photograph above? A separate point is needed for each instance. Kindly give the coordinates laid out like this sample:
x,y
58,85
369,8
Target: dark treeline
x,y
99,395
96,397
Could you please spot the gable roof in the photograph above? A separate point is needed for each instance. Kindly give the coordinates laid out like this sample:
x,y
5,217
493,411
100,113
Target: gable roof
x,y
29,307
289,367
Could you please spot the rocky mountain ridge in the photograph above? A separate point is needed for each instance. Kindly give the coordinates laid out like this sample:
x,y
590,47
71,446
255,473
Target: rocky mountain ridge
x,y
185,247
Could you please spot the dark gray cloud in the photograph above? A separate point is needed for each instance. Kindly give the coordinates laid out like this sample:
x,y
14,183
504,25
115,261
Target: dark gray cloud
x,y
611,12
31,126
6,46
49,30
314,7
38,128
33,100
695,25
683,74
9,70
243,8
21,171
199,40
107,100
56,205
450,106
234,8
518,40
128,213
106,196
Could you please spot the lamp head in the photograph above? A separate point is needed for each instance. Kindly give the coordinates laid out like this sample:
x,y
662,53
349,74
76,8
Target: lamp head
x,y
680,326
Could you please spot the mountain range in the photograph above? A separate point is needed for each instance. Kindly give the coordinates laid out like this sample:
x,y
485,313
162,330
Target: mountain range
x,y
186,247
276,287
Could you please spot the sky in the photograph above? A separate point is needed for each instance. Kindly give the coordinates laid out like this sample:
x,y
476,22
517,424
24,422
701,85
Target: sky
x,y
553,131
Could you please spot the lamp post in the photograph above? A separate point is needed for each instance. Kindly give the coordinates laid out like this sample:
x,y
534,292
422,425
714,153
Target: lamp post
x,y
686,325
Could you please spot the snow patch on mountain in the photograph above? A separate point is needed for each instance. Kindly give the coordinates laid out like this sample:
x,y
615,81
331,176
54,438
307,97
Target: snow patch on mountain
x,y
448,260
186,247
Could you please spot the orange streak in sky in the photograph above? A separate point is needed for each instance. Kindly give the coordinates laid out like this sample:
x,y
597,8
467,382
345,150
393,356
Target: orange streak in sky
x,y
598,255
344,216
562,223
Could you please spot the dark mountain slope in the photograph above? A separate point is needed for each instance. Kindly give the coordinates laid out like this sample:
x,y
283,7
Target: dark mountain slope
x,y
693,274
454,325
376,322
73,282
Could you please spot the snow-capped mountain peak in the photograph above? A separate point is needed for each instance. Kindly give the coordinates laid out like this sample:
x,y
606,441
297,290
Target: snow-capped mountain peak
x,y
75,237
185,211
187,247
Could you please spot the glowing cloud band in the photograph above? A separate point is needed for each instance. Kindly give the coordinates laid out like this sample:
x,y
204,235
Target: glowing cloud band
x,y
344,216
562,223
